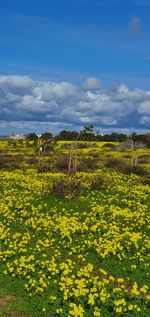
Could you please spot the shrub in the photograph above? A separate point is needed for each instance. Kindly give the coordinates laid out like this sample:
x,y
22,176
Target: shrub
x,y
109,146
87,163
98,182
44,167
32,160
128,156
83,164
125,168
138,170
144,159
94,154
146,180
9,162
66,187
115,163
62,162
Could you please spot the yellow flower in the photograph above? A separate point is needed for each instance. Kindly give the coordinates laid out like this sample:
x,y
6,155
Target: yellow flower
x,y
130,307
91,299
118,310
97,312
44,310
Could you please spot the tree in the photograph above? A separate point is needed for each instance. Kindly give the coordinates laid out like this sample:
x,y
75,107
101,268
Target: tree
x,y
113,137
67,135
47,136
31,137
88,129
87,134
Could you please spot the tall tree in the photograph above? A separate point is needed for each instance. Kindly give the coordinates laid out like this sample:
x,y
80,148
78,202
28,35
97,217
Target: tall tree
x,y
31,137
47,136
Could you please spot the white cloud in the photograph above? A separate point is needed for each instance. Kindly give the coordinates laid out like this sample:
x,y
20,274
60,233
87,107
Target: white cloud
x,y
24,99
16,81
145,120
50,90
144,107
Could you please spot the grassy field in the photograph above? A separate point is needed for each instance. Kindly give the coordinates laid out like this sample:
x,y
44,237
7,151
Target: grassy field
x,y
74,245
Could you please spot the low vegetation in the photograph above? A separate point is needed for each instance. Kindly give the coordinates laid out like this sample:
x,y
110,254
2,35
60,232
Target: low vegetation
x,y
74,242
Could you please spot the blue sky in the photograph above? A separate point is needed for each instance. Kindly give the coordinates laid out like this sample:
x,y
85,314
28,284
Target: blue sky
x,y
70,41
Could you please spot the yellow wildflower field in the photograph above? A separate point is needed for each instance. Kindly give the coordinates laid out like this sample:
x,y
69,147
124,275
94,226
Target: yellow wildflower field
x,y
75,244
87,256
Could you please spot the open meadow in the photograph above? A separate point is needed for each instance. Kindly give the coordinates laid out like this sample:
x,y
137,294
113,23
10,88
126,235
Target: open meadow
x,y
74,244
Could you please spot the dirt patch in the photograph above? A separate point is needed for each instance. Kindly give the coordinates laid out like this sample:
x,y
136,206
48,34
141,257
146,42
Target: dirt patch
x,y
5,300
15,314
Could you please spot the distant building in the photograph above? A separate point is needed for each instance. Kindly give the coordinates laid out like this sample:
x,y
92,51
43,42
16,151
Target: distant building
x,y
17,137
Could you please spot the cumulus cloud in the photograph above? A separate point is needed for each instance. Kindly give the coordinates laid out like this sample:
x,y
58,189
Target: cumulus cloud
x,y
64,104
91,83
144,107
145,120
